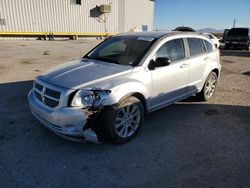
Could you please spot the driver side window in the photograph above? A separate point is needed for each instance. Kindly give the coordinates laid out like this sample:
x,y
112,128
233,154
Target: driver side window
x,y
173,50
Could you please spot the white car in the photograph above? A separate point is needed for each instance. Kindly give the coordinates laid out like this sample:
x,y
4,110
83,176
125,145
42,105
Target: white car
x,y
112,87
214,39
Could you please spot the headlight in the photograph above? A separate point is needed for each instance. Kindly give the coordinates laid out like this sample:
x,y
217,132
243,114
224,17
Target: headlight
x,y
89,98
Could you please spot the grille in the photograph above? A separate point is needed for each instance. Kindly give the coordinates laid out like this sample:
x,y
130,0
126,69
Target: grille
x,y
47,95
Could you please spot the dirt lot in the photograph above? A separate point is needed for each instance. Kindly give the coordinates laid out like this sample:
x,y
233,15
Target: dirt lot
x,y
188,144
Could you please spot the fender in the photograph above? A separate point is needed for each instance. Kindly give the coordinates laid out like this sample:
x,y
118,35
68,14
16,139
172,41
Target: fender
x,y
126,89
212,66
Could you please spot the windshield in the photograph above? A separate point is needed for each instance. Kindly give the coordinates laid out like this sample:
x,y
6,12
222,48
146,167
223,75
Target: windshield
x,y
124,50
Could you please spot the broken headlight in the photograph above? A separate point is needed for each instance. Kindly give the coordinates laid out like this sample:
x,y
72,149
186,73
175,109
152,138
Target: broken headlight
x,y
89,98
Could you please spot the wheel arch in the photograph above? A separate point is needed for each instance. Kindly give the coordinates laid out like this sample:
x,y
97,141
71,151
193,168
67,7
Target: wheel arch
x,y
137,95
216,71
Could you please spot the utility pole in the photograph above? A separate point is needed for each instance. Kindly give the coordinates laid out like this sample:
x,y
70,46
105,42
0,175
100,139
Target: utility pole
x,y
234,22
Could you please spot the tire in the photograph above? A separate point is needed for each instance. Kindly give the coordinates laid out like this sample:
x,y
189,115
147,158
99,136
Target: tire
x,y
247,48
226,46
124,121
208,88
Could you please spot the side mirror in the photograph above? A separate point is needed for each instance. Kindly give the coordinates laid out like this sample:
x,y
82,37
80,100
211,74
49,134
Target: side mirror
x,y
159,62
151,65
162,61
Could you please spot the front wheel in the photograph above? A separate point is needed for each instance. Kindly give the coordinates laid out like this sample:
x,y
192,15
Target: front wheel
x,y
208,88
124,121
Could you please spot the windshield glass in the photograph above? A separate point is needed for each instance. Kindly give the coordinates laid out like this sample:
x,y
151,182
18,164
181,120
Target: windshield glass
x,y
124,50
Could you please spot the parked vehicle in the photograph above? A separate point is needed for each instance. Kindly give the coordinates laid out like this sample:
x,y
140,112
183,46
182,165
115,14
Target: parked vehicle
x,y
214,39
224,35
115,84
238,38
183,28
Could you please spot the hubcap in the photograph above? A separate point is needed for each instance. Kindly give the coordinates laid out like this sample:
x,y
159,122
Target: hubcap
x,y
127,120
210,86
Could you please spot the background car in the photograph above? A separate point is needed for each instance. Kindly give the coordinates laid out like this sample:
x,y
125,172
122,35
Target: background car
x,y
214,39
238,38
185,29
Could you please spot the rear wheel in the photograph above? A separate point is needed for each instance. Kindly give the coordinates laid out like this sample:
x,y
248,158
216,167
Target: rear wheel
x,y
247,48
124,122
208,88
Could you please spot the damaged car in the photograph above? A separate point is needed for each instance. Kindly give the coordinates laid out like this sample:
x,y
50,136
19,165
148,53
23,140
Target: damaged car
x,y
112,87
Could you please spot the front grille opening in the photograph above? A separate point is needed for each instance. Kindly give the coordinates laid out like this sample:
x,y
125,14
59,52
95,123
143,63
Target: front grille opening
x,y
51,103
38,86
38,95
52,93
47,96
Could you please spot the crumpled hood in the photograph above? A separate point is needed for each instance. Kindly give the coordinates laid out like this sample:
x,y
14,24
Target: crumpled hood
x,y
83,72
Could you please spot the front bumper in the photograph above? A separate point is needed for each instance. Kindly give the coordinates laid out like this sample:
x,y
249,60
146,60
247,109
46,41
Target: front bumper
x,y
67,122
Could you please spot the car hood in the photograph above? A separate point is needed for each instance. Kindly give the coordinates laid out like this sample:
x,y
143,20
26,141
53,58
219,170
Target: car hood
x,y
83,72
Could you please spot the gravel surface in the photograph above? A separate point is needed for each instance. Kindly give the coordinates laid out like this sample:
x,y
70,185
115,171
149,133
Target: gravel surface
x,y
189,144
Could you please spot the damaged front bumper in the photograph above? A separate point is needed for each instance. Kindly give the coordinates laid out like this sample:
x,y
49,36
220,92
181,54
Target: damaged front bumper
x,y
67,122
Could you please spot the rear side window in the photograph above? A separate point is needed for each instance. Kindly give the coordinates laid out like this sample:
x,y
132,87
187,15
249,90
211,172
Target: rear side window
x,y
196,46
209,46
174,50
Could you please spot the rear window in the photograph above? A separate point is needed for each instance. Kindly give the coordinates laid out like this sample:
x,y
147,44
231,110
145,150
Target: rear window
x,y
238,31
196,46
209,46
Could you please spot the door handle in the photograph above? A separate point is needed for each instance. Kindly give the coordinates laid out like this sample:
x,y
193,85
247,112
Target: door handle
x,y
206,58
184,65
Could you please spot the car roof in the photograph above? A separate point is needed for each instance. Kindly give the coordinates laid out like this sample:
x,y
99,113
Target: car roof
x,y
154,34
159,34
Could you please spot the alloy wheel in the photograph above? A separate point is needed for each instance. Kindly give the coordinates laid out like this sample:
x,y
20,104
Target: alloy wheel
x,y
210,86
127,120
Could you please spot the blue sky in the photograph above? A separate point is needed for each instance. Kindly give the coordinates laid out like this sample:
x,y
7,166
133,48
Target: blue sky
x,y
218,14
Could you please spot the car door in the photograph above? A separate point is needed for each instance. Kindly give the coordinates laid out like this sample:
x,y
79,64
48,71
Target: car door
x,y
197,62
169,83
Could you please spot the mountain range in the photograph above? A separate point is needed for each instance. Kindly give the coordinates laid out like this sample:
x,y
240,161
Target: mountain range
x,y
210,30
204,30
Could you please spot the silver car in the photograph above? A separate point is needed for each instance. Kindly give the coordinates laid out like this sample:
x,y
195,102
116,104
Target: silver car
x,y
113,86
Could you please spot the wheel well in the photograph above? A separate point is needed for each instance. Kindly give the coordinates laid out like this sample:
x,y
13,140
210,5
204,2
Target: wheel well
x,y
138,96
141,98
216,71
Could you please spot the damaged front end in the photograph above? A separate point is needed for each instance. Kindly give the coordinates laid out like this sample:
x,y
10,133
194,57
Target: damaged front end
x,y
91,100
77,120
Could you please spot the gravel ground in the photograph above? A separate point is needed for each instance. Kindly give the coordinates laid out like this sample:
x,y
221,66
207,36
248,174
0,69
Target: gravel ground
x,y
188,144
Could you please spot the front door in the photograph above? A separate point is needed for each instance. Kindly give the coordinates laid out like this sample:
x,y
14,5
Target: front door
x,y
169,83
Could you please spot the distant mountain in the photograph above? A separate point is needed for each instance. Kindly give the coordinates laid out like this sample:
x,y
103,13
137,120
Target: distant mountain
x,y
210,30
204,30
